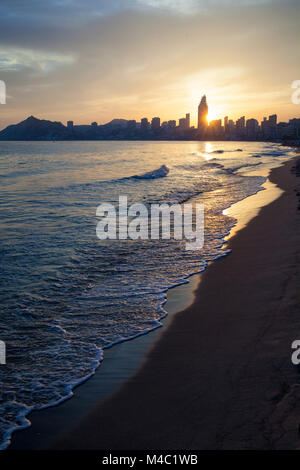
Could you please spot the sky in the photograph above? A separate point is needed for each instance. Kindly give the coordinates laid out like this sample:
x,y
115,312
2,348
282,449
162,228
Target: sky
x,y
95,60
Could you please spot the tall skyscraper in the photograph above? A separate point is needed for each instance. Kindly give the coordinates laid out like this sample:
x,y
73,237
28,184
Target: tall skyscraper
x,y
226,122
202,114
188,120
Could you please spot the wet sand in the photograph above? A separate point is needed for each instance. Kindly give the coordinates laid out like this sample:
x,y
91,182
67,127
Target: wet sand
x,y
221,376
120,362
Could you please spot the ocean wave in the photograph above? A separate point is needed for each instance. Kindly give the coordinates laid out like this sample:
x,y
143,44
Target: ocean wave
x,y
213,165
232,170
239,167
160,172
225,151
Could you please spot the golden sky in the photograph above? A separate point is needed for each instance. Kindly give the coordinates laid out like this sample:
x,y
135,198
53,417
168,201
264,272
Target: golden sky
x,y
96,60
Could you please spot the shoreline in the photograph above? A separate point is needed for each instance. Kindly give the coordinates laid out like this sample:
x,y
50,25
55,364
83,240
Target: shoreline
x,y
220,377
179,298
122,360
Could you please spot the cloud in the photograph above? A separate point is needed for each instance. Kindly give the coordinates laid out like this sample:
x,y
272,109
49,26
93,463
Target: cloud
x,y
12,59
193,6
95,60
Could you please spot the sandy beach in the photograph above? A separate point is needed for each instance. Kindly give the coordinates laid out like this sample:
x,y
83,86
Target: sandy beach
x,y
221,376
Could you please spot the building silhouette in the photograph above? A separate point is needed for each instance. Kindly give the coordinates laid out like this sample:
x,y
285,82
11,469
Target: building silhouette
x,y
172,124
226,124
202,115
182,123
155,123
188,120
215,129
252,129
144,124
240,127
269,127
227,129
131,124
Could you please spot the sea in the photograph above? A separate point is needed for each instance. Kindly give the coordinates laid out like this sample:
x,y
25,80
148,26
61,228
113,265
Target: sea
x,y
65,295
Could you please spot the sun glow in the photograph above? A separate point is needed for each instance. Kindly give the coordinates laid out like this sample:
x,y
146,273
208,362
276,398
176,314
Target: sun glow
x,y
213,113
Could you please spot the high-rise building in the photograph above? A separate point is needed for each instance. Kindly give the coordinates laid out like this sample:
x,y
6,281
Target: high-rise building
x,y
155,123
273,119
217,123
269,127
240,127
252,129
172,124
215,128
240,123
144,124
226,126
70,125
182,123
94,125
231,128
202,114
187,120
294,124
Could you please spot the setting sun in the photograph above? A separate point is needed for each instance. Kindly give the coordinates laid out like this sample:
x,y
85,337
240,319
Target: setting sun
x,y
214,113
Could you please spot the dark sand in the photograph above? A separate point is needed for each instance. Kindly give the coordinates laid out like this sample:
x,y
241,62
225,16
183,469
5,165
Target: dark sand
x,y
221,375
